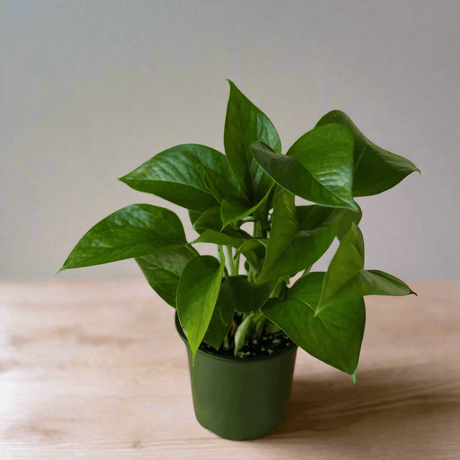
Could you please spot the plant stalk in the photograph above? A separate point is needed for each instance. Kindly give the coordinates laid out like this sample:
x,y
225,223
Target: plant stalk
x,y
231,261
237,263
257,229
222,259
277,289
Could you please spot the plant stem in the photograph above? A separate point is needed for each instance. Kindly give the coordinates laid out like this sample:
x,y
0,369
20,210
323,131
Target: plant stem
x,y
277,289
231,262
222,258
257,229
261,227
221,253
237,263
251,275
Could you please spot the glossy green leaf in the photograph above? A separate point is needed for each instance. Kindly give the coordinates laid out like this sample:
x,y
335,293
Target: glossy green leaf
x,y
333,336
370,282
324,312
346,278
134,231
318,167
174,175
346,262
376,169
298,238
222,318
244,124
250,297
197,295
163,271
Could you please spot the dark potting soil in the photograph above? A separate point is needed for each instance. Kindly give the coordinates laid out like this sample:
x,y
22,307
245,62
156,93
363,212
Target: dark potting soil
x,y
266,344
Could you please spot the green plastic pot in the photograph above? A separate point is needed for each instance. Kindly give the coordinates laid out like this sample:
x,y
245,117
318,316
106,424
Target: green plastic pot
x,y
240,398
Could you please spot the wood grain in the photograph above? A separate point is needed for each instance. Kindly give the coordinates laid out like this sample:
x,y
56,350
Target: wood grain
x,y
96,370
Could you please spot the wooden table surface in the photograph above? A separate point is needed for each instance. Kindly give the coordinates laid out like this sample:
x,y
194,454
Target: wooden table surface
x,y
95,369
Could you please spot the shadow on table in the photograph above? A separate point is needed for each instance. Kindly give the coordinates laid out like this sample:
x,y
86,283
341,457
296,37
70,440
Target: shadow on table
x,y
406,409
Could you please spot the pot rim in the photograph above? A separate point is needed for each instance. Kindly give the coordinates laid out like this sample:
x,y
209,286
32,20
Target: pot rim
x,y
234,359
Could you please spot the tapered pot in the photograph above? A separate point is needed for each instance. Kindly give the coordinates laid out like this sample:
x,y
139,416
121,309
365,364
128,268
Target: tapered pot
x,y
240,398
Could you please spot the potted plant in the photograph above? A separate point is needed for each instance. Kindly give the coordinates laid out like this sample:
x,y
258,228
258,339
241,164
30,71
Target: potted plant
x,y
242,330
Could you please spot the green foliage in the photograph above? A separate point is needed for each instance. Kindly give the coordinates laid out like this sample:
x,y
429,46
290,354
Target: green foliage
x,y
245,124
375,169
330,165
249,296
134,231
163,271
222,317
318,167
197,295
175,176
299,236
334,336
324,312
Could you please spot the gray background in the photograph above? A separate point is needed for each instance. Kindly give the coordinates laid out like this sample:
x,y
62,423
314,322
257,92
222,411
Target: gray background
x,y
90,90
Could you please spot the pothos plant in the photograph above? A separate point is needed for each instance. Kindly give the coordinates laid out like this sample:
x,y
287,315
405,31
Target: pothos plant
x,y
330,166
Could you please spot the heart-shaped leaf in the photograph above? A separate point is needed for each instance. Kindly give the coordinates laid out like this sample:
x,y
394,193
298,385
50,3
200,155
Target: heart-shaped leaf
x,y
250,297
298,238
346,278
134,231
370,282
375,169
163,271
318,167
222,318
333,336
346,262
324,312
197,294
244,124
174,175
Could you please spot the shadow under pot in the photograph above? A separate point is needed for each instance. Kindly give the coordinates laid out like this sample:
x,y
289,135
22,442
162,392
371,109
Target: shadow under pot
x,y
240,398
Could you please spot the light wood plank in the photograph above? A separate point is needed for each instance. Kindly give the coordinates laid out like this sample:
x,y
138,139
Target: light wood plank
x,y
95,369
